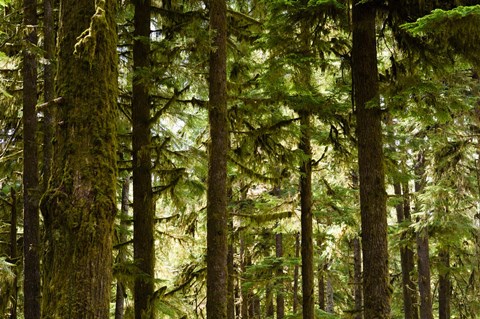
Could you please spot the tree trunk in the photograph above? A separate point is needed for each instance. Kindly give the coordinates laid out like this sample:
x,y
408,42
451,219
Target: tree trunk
x,y
444,289
31,237
423,251
279,281
48,89
269,308
79,206
376,290
231,275
295,274
14,254
122,252
357,275
217,172
143,214
308,305
406,255
244,292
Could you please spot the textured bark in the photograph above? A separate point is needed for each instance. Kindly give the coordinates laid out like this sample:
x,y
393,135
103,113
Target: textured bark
x,y
279,271
13,254
231,275
295,274
376,290
306,218
423,251
122,252
48,89
31,237
244,292
79,206
444,286
143,241
406,255
217,171
357,277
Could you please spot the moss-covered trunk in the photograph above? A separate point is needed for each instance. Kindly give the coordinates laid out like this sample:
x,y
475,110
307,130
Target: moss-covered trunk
x,y
79,205
217,274
371,163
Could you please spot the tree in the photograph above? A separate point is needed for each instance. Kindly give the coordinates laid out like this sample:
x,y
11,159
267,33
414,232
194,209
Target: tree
x,y
30,166
143,213
79,206
376,290
217,239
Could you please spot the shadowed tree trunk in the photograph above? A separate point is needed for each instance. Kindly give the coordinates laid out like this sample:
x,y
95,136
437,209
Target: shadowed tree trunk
x,y
13,253
423,250
376,290
357,275
217,274
295,274
122,251
31,237
306,217
406,254
444,286
79,206
244,292
143,214
279,271
231,274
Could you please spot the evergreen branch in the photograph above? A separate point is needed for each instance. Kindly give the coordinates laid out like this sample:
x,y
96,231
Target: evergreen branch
x,y
252,172
172,100
244,17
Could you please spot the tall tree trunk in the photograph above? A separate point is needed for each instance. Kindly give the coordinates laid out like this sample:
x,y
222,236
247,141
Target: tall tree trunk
x,y
14,254
279,271
295,274
79,207
31,238
357,275
122,252
423,251
231,274
444,286
143,214
321,269
48,89
376,290
217,274
269,308
308,305
244,292
406,255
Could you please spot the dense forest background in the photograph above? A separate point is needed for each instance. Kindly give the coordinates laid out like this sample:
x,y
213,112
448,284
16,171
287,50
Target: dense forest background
x,y
239,159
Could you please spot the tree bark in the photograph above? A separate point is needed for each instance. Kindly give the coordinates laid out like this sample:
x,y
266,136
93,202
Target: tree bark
x,y
80,205
280,289
231,274
376,290
122,252
423,251
357,275
217,274
295,274
13,254
406,254
306,217
143,214
444,286
31,237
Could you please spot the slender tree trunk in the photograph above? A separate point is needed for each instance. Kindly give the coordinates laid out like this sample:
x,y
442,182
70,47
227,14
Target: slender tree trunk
x,y
80,205
423,251
279,271
122,252
269,308
306,218
48,89
231,274
143,214
30,168
295,274
244,292
376,290
406,256
14,253
217,275
444,289
321,269
330,307
357,275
